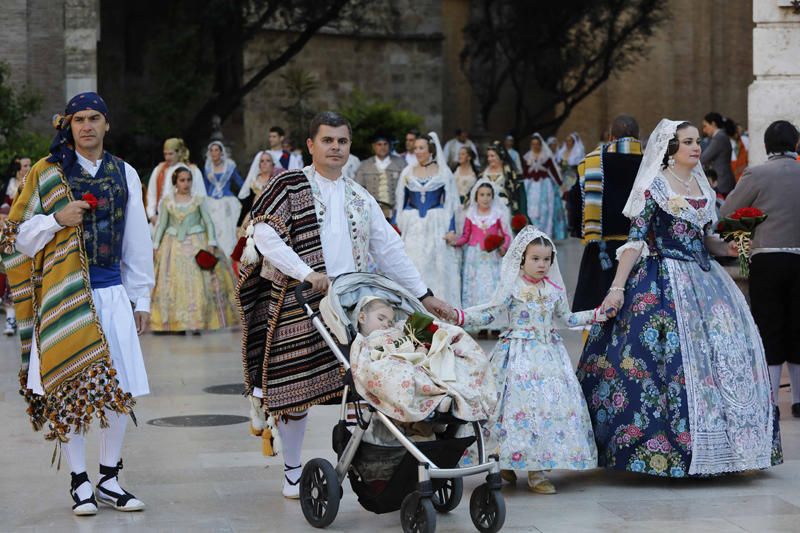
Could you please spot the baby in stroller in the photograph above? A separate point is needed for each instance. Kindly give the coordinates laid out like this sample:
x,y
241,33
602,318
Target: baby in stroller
x,y
412,368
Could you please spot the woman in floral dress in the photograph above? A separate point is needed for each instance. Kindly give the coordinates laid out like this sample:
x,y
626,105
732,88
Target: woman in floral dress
x,y
677,383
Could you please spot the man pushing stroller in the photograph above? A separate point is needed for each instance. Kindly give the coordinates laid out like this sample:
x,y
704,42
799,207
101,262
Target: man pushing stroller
x,y
309,225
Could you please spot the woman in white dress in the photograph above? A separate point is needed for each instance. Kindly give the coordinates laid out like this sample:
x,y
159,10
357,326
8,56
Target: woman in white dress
x,y
223,204
543,189
427,203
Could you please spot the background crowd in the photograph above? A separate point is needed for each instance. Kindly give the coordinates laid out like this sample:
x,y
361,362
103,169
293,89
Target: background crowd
x,y
456,196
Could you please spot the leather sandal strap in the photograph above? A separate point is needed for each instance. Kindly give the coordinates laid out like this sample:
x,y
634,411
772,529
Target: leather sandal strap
x,y
287,468
122,499
76,481
109,472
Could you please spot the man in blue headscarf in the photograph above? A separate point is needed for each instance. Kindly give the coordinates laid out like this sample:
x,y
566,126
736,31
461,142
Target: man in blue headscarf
x,y
80,228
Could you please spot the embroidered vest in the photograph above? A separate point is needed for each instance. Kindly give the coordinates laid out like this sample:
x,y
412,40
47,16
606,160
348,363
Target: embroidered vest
x,y
103,227
356,200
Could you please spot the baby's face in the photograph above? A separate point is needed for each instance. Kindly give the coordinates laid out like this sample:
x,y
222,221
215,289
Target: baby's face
x,y
380,316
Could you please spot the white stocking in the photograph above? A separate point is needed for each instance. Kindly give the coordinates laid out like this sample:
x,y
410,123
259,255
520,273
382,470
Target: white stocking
x,y
292,433
111,439
775,380
794,379
11,312
75,452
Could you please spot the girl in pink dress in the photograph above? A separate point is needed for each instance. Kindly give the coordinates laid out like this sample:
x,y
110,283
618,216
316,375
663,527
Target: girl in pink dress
x,y
486,223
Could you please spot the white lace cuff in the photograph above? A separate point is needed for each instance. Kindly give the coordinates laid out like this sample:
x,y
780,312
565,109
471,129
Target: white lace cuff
x,y
640,246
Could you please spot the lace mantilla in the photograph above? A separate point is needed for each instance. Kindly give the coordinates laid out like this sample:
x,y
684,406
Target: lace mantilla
x,y
678,206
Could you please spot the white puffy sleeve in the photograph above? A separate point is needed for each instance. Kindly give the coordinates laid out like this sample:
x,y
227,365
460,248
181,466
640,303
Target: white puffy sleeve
x,y
138,277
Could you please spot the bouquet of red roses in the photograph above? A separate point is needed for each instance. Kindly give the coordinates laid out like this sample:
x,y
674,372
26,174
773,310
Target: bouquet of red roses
x,y
518,222
739,227
492,242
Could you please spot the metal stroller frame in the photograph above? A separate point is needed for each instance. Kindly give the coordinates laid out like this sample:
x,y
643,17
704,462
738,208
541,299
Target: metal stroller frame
x,y
321,483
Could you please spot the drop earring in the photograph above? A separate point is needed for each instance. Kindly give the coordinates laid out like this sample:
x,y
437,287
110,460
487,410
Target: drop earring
x,y
671,162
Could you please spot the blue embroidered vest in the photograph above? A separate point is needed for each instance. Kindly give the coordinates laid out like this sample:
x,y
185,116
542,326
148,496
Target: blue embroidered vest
x,y
104,227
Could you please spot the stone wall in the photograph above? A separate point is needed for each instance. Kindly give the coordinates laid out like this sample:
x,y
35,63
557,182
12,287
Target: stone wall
x,y
403,65
32,43
775,93
699,61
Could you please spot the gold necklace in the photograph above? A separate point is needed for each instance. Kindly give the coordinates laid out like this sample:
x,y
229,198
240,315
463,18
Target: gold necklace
x,y
687,183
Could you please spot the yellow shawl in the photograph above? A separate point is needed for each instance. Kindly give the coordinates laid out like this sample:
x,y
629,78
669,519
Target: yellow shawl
x,y
53,301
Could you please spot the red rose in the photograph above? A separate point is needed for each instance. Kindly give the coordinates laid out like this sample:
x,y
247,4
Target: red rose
x,y
90,199
518,222
205,260
492,243
747,212
432,328
396,229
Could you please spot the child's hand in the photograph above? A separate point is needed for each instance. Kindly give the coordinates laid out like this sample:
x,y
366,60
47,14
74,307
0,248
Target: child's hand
x,y
451,238
600,315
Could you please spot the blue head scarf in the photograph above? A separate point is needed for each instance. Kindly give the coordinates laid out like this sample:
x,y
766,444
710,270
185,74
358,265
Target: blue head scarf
x,y
62,149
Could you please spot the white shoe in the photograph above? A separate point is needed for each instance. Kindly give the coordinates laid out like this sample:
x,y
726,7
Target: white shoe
x,y
291,490
85,507
11,327
124,501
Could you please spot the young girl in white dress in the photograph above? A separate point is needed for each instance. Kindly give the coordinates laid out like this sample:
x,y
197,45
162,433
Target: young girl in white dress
x,y
541,421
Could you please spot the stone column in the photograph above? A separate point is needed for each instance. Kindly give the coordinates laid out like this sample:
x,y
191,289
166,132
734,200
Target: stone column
x,y
775,92
81,32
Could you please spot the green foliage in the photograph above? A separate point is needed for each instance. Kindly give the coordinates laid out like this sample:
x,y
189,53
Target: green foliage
x,y
16,106
369,116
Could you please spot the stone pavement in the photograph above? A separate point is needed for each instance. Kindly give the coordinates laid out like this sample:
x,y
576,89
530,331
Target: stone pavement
x,y
215,478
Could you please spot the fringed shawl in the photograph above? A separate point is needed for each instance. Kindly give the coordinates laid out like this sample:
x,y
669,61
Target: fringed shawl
x,y
591,175
54,305
282,353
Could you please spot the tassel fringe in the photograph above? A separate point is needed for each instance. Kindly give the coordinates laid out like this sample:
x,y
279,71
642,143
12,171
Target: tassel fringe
x,y
250,254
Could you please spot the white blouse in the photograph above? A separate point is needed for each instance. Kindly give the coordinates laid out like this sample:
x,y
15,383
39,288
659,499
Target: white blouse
x,y
385,246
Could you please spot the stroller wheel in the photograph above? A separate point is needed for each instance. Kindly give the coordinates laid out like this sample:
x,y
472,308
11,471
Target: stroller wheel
x,y
448,496
487,508
320,493
417,514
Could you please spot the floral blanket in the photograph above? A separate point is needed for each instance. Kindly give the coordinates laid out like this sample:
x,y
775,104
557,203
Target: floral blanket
x,y
407,379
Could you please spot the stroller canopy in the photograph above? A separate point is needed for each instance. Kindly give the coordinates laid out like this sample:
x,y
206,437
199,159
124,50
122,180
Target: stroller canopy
x,y
347,290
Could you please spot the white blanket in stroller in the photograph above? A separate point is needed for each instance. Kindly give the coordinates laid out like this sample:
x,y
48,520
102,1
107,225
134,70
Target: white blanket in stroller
x,y
407,382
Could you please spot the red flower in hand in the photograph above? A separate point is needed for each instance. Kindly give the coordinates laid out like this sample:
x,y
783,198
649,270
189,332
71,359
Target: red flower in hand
x,y
492,243
90,199
518,222
747,212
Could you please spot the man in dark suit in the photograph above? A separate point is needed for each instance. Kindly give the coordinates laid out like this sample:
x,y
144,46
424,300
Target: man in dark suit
x,y
718,153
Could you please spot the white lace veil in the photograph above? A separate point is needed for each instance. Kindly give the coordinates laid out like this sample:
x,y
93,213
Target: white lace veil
x,y
651,167
577,153
510,268
252,174
499,209
537,162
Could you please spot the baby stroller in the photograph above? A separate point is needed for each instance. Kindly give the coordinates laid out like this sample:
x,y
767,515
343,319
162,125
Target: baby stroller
x,y
424,476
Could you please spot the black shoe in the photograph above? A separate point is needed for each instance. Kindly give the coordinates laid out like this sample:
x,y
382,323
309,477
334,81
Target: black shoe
x,y
796,410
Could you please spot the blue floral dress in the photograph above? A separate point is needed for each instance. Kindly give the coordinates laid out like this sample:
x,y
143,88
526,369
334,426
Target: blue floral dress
x,y
677,383
541,421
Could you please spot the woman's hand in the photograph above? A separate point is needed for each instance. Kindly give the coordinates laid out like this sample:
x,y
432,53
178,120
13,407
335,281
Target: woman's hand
x,y
733,249
451,238
612,303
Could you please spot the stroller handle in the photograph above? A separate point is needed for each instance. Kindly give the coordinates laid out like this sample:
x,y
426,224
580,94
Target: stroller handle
x,y
298,292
